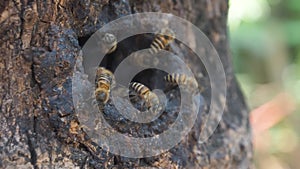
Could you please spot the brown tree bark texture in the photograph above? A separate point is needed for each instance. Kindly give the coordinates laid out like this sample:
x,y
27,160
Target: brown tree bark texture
x,y
40,42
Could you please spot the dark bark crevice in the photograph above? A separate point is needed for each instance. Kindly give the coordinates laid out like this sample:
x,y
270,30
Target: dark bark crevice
x,y
32,151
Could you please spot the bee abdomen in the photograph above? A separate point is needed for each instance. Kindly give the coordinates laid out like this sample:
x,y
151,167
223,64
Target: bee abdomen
x,y
157,45
176,78
139,88
161,41
150,98
104,75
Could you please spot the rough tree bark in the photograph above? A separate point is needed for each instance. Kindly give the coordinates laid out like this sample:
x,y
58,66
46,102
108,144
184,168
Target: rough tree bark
x,y
40,41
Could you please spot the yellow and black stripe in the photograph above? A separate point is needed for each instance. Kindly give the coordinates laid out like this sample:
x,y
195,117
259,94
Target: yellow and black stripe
x,y
182,79
176,78
104,80
161,40
139,88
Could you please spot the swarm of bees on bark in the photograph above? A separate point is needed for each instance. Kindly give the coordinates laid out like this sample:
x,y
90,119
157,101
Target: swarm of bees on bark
x,y
105,78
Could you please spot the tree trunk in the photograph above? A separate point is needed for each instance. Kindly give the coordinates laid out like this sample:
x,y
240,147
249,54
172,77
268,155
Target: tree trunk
x,y
40,43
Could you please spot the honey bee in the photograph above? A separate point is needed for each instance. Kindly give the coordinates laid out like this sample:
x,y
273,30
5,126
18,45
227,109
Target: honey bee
x,y
144,92
104,81
111,41
182,79
162,40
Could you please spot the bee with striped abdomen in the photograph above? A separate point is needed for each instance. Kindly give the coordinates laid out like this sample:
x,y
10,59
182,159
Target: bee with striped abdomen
x,y
182,79
104,81
111,41
162,40
144,92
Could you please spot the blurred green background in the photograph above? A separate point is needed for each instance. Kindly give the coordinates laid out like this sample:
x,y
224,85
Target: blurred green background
x,y
265,44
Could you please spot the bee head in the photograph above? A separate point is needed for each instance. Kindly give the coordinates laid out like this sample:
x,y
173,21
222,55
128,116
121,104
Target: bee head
x,y
102,95
109,38
168,34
